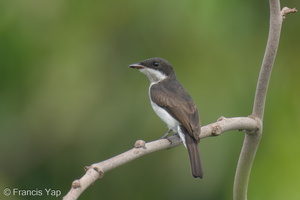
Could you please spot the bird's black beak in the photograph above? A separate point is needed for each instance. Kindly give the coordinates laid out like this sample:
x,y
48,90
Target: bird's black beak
x,y
137,66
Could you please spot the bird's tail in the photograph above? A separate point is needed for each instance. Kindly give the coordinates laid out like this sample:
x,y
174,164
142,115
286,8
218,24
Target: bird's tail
x,y
194,154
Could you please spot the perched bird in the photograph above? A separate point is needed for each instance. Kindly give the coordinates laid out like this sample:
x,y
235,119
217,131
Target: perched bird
x,y
173,104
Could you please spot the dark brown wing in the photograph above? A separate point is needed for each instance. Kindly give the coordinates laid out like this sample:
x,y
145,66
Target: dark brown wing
x,y
179,104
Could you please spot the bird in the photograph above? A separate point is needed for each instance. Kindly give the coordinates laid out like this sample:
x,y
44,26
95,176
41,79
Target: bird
x,y
174,106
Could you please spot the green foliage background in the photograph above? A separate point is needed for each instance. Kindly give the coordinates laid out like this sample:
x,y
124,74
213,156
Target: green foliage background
x,y
68,99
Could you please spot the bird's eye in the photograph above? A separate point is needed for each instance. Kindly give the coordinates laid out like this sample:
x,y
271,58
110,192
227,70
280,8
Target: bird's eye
x,y
155,64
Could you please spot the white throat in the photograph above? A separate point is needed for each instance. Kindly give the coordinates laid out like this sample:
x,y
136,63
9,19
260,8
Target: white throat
x,y
153,75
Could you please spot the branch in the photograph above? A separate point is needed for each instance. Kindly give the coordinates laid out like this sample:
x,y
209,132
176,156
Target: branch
x,y
268,60
97,170
251,141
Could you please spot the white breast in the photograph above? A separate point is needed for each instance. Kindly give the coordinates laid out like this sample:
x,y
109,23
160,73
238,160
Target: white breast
x,y
171,122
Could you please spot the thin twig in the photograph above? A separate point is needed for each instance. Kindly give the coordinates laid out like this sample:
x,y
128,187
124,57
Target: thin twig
x,y
97,170
286,11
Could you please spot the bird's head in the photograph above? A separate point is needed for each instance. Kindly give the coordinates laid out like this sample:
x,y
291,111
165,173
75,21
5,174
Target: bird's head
x,y
156,69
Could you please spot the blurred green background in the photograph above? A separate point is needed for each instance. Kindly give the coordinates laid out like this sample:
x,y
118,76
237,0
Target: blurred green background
x,y
68,99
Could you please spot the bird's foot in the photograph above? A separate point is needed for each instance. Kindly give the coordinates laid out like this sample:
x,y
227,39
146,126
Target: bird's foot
x,y
166,134
169,139
176,134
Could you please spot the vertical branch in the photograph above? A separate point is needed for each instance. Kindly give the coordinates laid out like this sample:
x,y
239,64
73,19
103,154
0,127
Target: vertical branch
x,y
252,140
268,61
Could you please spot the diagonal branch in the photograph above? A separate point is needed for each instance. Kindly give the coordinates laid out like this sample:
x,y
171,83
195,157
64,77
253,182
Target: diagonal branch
x,y
97,170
